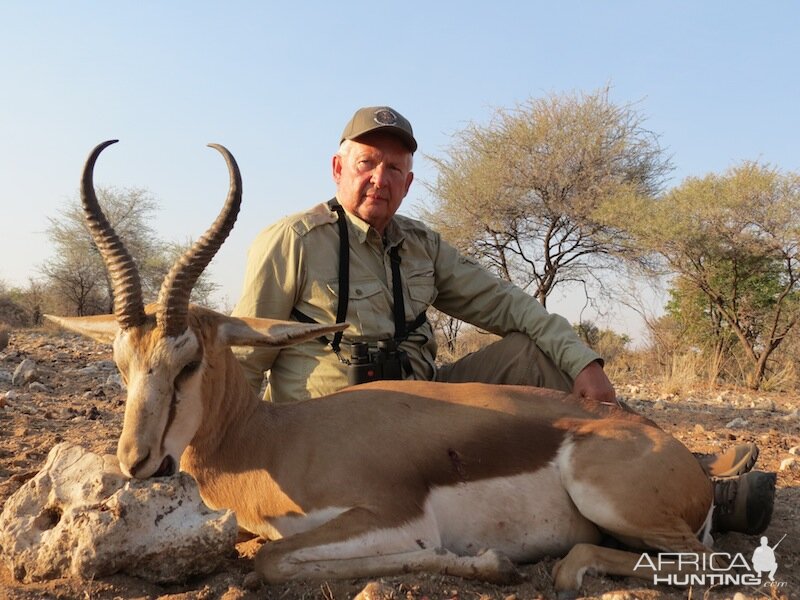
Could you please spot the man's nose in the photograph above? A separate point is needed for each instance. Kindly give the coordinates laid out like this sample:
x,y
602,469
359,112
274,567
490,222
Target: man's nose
x,y
379,176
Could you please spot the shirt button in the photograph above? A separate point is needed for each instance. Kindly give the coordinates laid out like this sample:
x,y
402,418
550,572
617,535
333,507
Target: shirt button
x,y
358,291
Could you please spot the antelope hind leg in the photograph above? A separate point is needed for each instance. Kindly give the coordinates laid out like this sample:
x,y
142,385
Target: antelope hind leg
x,y
490,566
354,545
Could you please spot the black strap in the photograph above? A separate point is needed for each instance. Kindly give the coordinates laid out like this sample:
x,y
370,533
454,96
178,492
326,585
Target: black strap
x,y
304,318
401,328
344,271
397,291
420,320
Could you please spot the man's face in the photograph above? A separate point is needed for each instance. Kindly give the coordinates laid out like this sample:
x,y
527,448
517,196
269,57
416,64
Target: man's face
x,y
372,177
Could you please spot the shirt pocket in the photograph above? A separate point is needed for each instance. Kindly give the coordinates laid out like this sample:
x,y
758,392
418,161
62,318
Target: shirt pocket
x,y
368,309
323,302
421,292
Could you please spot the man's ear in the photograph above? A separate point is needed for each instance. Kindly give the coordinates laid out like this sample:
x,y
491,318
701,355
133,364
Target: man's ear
x,y
409,179
336,167
251,331
101,328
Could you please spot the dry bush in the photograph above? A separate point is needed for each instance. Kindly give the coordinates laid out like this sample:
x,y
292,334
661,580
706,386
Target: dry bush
x,y
5,332
12,313
685,372
468,340
783,378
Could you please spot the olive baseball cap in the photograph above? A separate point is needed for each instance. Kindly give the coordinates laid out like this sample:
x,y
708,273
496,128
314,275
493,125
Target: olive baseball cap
x,y
380,118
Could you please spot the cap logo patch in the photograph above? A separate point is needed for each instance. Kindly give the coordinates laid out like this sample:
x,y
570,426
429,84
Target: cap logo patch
x,y
385,117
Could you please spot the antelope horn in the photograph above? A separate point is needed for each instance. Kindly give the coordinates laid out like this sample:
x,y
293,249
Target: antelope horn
x,y
173,298
125,283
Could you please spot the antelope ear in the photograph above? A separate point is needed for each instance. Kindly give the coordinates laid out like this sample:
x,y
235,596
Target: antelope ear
x,y
250,331
101,328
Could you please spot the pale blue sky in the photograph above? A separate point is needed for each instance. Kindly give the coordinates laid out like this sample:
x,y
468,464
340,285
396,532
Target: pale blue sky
x,y
276,82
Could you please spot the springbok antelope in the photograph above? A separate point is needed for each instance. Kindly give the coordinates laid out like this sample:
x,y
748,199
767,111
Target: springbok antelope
x,y
387,477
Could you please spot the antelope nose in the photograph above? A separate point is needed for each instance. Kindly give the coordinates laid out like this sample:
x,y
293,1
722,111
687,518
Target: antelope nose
x,y
131,459
136,467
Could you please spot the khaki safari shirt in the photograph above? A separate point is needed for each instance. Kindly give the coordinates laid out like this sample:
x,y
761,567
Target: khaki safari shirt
x,y
294,264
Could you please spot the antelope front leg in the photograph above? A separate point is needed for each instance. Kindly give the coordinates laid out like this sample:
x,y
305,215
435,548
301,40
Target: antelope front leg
x,y
350,546
596,560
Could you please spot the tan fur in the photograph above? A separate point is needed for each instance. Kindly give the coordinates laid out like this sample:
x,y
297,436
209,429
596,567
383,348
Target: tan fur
x,y
360,468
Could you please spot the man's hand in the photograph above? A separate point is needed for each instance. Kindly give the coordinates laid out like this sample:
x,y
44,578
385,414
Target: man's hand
x,y
592,384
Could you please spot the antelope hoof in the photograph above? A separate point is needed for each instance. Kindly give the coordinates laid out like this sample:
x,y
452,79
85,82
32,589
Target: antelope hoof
x,y
566,587
496,567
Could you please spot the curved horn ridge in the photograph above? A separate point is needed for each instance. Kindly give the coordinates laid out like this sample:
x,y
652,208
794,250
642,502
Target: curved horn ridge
x,y
176,289
125,282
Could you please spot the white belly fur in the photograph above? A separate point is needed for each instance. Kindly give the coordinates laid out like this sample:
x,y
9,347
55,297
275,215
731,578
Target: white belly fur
x,y
525,516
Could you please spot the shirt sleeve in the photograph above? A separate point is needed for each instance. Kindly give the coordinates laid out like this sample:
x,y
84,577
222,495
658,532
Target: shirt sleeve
x,y
469,292
269,290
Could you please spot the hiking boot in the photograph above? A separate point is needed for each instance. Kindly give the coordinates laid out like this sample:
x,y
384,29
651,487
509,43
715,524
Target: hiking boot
x,y
733,462
744,503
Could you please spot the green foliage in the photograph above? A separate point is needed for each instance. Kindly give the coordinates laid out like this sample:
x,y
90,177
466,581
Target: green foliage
x,y
527,194
607,343
731,242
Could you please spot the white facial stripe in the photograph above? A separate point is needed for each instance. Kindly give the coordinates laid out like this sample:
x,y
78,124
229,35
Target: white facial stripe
x,y
188,415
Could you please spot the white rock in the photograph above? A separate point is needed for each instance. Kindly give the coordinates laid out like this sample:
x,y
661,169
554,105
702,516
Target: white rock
x,y
87,370
14,396
25,372
37,386
767,404
114,382
789,464
737,423
79,516
795,450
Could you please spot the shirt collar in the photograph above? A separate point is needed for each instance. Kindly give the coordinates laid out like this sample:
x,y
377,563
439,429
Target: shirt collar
x,y
363,230
359,227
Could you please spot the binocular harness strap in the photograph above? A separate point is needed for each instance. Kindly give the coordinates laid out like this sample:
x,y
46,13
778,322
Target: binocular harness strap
x,y
344,273
401,328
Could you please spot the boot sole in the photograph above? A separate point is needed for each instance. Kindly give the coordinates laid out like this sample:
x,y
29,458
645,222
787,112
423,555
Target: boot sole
x,y
760,503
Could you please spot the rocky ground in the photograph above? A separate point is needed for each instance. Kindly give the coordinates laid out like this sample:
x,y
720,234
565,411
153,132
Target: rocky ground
x,y
69,391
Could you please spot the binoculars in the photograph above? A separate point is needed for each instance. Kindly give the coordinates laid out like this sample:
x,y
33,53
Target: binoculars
x,y
385,363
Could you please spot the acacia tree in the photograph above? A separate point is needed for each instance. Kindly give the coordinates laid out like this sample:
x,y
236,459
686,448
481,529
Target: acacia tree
x,y
77,272
75,277
699,324
525,194
732,240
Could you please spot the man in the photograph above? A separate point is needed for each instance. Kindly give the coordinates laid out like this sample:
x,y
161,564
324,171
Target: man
x,y
355,259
